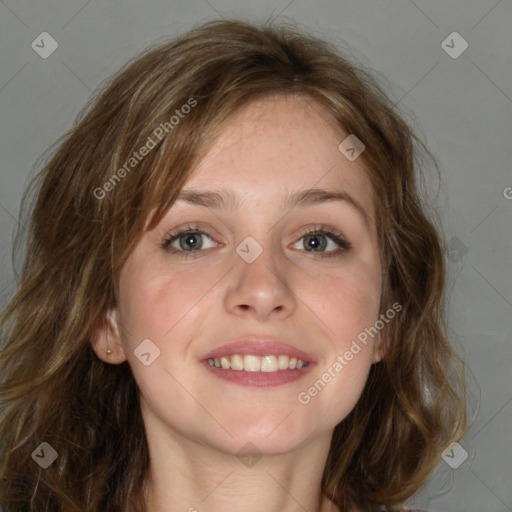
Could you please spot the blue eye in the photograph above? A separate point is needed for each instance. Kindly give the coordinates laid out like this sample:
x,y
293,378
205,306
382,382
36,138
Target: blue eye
x,y
189,240
315,242
320,240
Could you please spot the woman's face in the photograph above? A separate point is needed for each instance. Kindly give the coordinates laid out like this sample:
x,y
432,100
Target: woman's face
x,y
256,275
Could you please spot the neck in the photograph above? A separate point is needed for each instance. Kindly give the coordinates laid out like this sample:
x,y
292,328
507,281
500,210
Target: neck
x,y
186,475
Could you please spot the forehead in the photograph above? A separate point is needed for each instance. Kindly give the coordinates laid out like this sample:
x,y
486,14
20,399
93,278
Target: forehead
x,y
285,124
276,146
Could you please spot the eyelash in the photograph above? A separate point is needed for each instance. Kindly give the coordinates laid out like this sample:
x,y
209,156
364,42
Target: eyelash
x,y
321,229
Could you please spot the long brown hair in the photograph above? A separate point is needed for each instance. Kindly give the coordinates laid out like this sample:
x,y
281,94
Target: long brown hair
x,y
86,215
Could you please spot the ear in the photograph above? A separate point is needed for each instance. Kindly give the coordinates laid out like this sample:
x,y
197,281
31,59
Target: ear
x,y
106,340
379,348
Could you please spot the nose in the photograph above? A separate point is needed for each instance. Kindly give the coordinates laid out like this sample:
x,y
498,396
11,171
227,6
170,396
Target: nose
x,y
260,289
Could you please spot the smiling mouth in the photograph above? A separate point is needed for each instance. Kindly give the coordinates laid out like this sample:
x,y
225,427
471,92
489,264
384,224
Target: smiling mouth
x,y
254,363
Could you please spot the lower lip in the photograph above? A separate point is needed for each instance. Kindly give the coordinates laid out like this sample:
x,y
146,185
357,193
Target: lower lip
x,y
259,379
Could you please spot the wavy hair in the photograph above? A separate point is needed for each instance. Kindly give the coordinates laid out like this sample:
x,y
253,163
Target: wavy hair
x,y
80,224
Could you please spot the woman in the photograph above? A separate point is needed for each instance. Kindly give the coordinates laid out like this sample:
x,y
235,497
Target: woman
x,y
232,297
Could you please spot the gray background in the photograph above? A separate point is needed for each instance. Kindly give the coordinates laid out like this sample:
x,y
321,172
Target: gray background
x,y
462,107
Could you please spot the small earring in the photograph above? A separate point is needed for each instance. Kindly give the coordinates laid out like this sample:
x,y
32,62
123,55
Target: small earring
x,y
109,351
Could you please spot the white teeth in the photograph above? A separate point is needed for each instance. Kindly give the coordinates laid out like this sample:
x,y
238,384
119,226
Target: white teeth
x,y
237,362
283,362
269,364
251,363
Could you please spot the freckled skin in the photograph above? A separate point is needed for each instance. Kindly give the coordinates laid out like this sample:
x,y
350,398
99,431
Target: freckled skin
x,y
190,306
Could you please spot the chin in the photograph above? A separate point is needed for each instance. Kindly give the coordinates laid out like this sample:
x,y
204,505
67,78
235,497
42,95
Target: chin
x,y
273,434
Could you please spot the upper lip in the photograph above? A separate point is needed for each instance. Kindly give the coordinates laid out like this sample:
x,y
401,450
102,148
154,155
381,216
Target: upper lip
x,y
259,346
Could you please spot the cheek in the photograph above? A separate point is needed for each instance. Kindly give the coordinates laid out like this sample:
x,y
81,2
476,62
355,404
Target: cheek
x,y
347,302
166,308
155,301
158,306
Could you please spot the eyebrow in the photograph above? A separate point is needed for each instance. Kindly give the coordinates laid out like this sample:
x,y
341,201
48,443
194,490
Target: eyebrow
x,y
227,200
